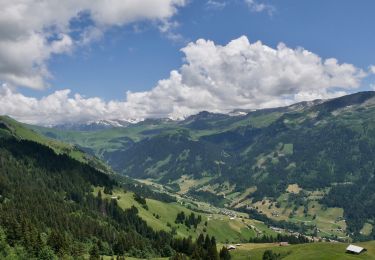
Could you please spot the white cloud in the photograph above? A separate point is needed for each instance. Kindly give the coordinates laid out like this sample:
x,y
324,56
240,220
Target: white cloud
x,y
215,4
372,69
34,30
213,77
258,7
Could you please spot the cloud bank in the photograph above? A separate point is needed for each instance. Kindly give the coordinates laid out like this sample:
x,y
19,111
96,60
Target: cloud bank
x,y
34,30
213,77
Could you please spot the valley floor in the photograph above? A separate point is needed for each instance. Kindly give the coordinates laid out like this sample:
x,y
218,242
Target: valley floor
x,y
162,216
313,251
234,231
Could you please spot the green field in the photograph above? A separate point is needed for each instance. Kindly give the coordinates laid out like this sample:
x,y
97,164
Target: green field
x,y
315,251
321,251
23,132
329,221
221,226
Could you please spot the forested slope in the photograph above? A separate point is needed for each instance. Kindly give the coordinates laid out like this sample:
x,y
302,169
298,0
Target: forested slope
x,y
47,209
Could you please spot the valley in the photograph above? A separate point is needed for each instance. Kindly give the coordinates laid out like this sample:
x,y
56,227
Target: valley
x,y
225,228
253,180
187,130
288,164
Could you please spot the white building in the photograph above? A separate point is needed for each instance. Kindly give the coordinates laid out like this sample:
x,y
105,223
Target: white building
x,y
352,249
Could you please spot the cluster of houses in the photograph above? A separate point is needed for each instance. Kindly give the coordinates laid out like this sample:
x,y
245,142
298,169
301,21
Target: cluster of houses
x,y
228,213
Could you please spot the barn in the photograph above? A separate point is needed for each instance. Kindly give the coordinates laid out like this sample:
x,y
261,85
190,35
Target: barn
x,y
352,249
231,247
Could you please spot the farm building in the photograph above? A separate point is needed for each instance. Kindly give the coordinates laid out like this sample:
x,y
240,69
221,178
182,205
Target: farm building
x,y
352,249
231,247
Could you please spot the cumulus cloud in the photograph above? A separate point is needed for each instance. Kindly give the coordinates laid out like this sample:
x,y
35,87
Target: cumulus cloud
x,y
34,30
213,77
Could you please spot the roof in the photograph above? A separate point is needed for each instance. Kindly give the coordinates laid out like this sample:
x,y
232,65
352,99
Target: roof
x,y
355,249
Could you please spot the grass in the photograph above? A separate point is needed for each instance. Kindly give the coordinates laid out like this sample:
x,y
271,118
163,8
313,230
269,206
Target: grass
x,y
187,182
321,251
133,258
103,140
367,229
23,132
221,226
329,221
287,149
293,188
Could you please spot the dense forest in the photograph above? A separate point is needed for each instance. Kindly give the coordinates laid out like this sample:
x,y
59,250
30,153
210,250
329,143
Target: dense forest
x,y
48,209
291,239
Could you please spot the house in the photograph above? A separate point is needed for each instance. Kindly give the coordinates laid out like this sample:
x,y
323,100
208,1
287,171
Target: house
x,y
231,247
352,249
283,244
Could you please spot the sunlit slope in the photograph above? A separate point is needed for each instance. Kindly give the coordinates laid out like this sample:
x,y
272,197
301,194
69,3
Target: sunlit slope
x,y
10,127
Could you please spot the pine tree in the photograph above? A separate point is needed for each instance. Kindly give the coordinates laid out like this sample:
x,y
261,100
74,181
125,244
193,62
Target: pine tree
x,y
212,250
270,255
224,254
207,242
94,253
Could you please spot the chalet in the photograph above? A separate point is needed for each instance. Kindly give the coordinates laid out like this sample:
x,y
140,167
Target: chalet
x,y
352,249
231,247
283,244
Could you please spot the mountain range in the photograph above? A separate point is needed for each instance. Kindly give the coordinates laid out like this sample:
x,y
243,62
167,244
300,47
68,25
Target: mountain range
x,y
307,169
57,202
322,148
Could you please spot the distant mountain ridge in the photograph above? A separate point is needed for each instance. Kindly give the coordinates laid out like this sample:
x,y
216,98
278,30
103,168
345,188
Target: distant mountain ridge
x,y
103,124
320,147
95,125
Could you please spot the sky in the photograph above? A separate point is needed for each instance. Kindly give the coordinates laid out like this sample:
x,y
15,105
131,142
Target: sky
x,y
85,60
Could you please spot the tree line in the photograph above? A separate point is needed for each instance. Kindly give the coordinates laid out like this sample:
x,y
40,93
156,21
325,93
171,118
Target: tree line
x,y
189,221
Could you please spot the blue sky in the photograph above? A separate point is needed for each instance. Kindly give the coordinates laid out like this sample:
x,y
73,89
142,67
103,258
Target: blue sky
x,y
128,60
134,55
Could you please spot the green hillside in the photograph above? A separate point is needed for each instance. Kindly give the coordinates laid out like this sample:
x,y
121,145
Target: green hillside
x,y
323,251
161,216
10,127
323,147
49,208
